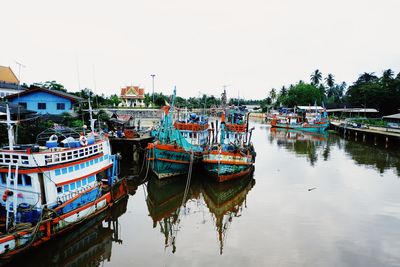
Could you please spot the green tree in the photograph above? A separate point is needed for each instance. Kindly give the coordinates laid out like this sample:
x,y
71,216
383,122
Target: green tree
x,y
53,85
316,77
303,94
330,80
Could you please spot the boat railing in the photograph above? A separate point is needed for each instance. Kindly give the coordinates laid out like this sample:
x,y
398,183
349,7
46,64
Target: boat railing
x,y
53,156
190,126
236,127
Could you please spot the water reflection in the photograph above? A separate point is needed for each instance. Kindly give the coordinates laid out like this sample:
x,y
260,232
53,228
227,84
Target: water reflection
x,y
164,199
167,203
226,201
313,146
90,244
378,157
302,143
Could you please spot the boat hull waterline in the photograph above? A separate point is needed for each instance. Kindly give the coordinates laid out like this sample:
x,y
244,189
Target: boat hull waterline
x,y
224,166
168,160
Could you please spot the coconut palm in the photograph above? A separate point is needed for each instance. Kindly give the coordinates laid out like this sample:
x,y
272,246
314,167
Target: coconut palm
x,y
388,74
283,91
316,77
366,78
330,80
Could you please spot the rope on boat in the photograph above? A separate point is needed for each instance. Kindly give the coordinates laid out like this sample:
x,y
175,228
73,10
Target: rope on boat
x,y
189,177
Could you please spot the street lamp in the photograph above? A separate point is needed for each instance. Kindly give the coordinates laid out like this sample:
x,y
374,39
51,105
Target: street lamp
x,y
152,76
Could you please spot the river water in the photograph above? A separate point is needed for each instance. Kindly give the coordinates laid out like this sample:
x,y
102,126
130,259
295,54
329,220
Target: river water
x,y
313,200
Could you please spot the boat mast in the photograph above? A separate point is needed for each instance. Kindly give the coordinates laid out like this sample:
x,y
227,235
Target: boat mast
x,y
10,129
92,121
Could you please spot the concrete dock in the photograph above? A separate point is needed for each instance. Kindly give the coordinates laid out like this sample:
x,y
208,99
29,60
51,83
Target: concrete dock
x,y
376,134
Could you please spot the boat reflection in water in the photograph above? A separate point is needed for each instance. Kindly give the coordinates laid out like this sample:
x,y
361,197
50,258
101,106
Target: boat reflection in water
x,y
302,143
168,200
226,201
87,245
165,200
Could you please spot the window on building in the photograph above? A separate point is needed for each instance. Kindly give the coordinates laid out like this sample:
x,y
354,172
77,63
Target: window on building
x,y
22,104
41,105
60,106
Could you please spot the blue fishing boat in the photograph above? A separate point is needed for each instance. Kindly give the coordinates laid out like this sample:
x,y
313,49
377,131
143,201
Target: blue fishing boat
x,y
233,157
316,122
54,185
177,148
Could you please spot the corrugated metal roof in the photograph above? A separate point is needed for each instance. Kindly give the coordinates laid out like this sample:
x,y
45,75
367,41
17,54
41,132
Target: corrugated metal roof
x,y
393,116
310,107
361,110
7,75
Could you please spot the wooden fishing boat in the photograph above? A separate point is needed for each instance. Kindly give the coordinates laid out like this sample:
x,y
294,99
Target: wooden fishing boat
x,y
48,189
233,157
312,122
177,147
88,245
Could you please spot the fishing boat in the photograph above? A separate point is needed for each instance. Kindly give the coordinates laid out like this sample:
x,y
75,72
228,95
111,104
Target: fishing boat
x,y
178,146
312,122
233,156
55,185
88,245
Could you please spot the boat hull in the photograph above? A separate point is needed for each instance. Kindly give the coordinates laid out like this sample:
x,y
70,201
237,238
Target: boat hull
x,y
314,128
51,227
225,166
168,160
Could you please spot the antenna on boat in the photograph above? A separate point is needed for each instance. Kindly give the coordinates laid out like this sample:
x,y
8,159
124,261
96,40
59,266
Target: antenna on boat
x,y
10,129
92,121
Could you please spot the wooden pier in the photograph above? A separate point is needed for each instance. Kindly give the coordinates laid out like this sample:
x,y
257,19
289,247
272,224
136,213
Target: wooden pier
x,y
375,134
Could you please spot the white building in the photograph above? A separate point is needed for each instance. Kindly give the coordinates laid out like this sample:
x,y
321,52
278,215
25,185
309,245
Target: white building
x,y
132,96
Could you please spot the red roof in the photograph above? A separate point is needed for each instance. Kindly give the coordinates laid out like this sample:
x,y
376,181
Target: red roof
x,y
134,92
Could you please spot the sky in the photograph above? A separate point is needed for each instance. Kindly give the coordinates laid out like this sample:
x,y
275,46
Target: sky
x,y
198,46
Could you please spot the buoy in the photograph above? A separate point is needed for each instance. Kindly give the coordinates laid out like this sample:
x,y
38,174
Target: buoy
x,y
53,138
83,140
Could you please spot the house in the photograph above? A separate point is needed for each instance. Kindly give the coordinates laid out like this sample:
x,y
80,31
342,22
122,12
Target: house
x,y
132,96
45,101
9,83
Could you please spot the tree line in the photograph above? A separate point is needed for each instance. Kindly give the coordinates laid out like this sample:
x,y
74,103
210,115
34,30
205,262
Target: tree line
x,y
369,91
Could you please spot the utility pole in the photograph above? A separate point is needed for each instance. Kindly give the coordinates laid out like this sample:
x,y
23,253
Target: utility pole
x,y
152,76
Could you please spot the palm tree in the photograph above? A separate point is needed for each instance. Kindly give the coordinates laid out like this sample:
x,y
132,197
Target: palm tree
x,y
388,74
283,91
366,78
316,77
330,80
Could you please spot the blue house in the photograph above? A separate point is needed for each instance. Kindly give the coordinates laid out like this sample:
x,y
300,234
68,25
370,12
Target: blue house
x,y
45,101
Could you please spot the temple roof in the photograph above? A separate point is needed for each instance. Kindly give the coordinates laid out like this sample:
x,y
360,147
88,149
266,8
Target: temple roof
x,y
132,92
7,75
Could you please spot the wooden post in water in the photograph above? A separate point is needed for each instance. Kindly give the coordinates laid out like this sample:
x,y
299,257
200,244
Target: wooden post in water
x,y
364,138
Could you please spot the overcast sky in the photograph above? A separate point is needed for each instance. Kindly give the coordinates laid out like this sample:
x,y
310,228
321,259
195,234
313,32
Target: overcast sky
x,y
199,46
